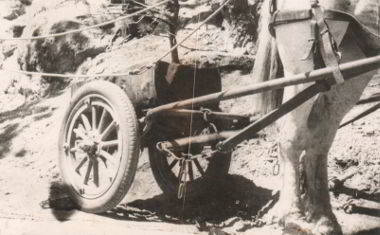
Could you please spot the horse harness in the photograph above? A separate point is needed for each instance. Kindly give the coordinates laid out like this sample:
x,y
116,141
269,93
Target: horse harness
x,y
321,44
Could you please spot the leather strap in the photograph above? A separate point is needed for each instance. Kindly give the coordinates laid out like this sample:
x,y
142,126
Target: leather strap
x,y
286,17
322,36
327,46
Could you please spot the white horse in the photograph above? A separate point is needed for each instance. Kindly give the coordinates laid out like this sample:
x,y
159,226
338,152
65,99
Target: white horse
x,y
307,133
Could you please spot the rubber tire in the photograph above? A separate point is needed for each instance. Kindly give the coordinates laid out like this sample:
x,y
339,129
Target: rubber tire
x,y
218,167
128,125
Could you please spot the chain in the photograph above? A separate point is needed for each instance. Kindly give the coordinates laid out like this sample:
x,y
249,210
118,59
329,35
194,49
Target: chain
x,y
274,152
182,179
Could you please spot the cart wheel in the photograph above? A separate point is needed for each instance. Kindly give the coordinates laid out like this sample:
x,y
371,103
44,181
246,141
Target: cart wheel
x,y
201,173
99,146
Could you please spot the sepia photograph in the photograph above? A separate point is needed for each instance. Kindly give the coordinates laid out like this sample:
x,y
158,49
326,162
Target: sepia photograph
x,y
181,117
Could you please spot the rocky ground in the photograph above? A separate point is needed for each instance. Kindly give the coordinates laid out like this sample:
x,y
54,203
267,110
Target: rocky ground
x,y
31,110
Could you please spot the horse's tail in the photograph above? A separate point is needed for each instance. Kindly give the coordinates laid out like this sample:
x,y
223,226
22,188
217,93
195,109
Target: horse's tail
x,y
267,64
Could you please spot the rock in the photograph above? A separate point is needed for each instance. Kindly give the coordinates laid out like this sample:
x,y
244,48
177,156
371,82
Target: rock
x,y
60,54
11,9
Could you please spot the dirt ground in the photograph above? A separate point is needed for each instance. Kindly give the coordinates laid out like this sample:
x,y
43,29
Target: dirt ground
x,y
30,176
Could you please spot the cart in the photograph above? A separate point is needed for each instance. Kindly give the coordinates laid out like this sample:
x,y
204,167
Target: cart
x,y
189,140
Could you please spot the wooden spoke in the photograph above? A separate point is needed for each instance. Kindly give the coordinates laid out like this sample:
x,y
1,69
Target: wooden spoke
x,y
103,159
96,173
109,143
84,160
108,173
75,149
196,162
86,122
102,120
87,176
190,170
109,158
108,130
173,163
93,115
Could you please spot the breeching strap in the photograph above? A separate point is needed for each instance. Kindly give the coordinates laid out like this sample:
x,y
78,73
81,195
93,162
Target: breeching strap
x,y
327,45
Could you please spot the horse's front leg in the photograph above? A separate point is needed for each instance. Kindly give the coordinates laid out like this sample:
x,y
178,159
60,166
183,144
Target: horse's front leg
x,y
314,188
306,137
323,123
292,141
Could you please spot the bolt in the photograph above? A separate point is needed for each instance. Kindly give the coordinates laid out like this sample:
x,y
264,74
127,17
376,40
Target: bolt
x,y
81,191
66,146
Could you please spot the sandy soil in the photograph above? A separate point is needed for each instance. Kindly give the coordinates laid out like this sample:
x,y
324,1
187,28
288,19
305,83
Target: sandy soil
x,y
29,174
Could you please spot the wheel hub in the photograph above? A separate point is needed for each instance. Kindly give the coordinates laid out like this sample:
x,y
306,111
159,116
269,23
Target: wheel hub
x,y
90,146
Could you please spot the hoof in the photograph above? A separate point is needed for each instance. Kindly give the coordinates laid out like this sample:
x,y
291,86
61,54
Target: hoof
x,y
295,224
327,226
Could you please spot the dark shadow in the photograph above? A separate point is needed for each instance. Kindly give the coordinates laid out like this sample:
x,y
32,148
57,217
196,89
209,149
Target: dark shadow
x,y
231,196
10,131
59,201
355,193
373,98
373,231
20,153
24,110
42,116
366,211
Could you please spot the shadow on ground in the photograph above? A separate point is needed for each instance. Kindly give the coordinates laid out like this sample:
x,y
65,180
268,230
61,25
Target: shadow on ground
x,y
9,132
12,128
373,231
355,193
25,110
237,197
62,207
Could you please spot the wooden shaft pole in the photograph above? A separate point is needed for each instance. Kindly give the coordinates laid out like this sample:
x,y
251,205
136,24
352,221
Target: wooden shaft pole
x,y
349,70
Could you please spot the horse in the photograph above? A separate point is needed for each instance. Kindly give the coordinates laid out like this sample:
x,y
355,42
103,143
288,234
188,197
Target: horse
x,y
307,133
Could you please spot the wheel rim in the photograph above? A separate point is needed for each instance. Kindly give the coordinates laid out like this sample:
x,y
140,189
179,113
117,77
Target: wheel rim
x,y
92,147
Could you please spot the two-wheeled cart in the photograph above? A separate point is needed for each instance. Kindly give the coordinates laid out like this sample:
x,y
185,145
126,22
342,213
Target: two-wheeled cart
x,y
189,139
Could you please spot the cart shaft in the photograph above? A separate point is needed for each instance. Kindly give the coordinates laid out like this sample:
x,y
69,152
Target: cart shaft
x,y
349,70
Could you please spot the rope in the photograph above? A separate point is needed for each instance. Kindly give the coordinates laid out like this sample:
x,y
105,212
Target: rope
x,y
58,75
86,28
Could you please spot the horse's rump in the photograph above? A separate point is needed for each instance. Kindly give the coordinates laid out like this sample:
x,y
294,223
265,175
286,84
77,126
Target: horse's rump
x,y
367,36
364,18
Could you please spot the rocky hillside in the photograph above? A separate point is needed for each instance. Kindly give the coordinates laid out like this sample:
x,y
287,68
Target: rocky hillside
x,y
226,41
